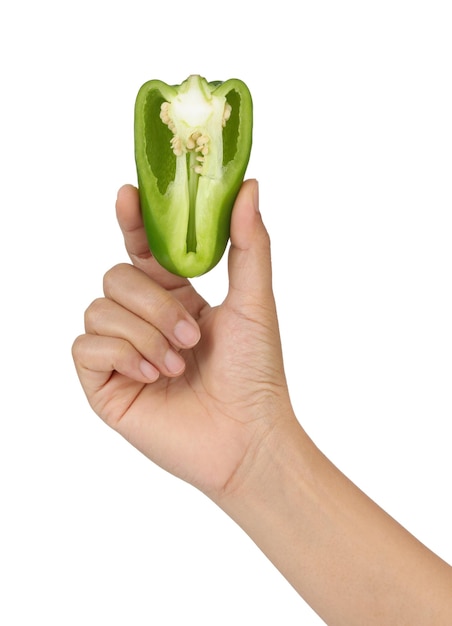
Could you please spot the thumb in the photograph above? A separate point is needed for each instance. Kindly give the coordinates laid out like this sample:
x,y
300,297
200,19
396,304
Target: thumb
x,y
250,279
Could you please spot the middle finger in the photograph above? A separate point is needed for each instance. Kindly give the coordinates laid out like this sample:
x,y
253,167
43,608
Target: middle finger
x,y
136,292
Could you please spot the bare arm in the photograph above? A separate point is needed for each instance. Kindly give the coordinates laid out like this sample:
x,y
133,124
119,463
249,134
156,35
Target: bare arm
x,y
349,560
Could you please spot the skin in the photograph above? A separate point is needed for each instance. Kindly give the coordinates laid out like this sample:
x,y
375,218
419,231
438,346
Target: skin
x,y
201,391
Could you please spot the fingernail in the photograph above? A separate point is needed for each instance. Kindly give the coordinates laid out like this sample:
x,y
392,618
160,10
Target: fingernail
x,y
256,197
173,362
186,334
148,370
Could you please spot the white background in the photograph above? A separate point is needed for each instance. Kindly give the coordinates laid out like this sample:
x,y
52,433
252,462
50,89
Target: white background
x,y
353,150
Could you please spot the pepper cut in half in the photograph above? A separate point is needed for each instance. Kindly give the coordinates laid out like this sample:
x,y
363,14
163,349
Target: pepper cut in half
x,y
192,147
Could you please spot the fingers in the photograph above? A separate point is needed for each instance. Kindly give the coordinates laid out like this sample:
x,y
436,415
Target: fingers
x,y
97,357
131,223
137,293
109,319
250,278
136,330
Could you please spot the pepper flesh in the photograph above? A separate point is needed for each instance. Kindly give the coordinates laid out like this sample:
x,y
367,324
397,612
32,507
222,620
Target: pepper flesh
x,y
192,147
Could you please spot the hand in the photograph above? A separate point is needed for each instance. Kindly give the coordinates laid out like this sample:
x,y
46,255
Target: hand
x,y
201,391
196,388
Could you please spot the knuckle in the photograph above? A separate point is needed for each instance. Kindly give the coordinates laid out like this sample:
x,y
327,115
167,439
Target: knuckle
x,y
153,343
161,303
125,355
96,313
77,347
113,275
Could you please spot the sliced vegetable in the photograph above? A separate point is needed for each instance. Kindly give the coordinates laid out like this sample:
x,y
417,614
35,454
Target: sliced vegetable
x,y
192,147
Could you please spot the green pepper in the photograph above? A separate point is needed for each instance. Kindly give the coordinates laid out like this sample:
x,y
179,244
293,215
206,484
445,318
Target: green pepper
x,y
192,147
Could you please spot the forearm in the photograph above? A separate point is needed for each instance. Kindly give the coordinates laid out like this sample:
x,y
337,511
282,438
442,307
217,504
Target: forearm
x,y
346,557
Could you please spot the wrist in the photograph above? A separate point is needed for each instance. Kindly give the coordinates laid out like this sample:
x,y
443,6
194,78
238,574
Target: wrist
x,y
273,468
332,542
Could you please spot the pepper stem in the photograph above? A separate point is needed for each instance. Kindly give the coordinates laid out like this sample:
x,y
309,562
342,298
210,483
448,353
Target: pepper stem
x,y
193,179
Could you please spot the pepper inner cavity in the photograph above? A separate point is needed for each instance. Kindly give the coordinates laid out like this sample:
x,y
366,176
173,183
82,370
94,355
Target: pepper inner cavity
x,y
195,148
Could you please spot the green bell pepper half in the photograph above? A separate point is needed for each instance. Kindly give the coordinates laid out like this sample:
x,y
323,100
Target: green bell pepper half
x,y
192,148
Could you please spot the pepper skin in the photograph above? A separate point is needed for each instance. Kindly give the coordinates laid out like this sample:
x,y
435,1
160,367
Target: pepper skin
x,y
192,147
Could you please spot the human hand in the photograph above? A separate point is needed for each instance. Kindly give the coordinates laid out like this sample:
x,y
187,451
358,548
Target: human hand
x,y
201,391
195,388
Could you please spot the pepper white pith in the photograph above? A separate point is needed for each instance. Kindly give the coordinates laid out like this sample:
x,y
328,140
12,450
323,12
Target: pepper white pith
x,y
196,118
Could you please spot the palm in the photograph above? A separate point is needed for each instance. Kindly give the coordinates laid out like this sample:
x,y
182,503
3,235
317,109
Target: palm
x,y
189,424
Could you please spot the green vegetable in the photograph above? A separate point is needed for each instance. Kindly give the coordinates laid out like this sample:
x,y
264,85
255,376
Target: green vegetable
x,y
192,147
